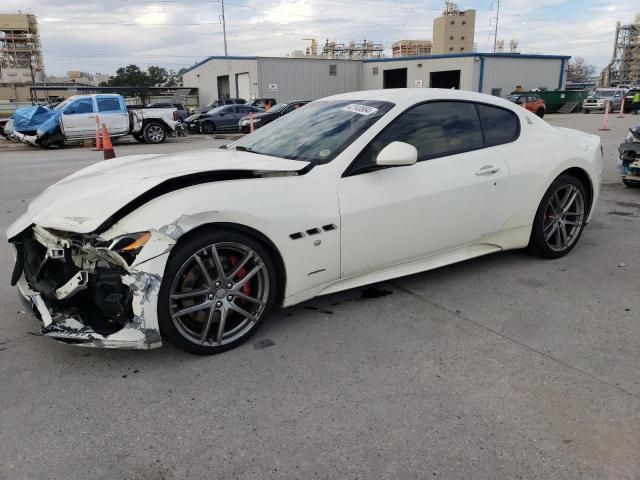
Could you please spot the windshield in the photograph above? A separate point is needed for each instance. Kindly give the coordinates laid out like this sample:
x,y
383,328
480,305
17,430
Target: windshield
x,y
317,132
605,93
278,108
216,110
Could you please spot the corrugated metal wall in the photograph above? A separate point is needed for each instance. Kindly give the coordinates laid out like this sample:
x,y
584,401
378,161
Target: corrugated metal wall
x,y
531,73
205,77
306,79
310,79
466,65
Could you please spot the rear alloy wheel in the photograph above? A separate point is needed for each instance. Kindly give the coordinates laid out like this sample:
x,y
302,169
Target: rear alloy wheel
x,y
540,112
153,132
216,290
208,127
560,218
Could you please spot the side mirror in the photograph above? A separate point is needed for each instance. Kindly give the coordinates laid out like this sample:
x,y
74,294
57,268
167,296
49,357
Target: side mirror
x,y
397,154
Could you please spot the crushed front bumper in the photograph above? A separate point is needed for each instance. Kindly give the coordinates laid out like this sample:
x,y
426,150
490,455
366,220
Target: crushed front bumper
x,y
68,329
138,329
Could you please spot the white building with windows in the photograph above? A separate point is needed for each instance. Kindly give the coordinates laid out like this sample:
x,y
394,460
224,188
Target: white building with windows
x,y
310,78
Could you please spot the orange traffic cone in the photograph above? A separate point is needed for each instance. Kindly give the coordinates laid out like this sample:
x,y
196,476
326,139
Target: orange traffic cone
x,y
106,144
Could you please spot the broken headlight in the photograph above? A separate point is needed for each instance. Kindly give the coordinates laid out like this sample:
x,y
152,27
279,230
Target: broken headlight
x,y
128,246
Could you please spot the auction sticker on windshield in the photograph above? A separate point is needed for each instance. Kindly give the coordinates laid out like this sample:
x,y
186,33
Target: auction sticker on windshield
x,y
360,109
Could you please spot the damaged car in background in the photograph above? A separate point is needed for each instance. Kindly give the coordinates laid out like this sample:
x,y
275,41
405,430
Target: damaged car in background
x,y
75,119
195,248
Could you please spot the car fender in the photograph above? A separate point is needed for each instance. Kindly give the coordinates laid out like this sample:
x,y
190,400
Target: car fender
x,y
302,226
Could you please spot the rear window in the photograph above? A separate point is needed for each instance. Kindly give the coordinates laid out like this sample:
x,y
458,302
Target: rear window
x,y
499,125
108,104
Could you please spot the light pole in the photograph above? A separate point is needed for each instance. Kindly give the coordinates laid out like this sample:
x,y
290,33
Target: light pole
x,y
224,28
495,34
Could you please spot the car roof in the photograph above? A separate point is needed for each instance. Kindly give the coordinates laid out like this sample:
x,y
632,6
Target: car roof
x,y
405,97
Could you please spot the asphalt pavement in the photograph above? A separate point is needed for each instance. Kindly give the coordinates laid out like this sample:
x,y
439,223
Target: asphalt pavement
x,y
506,366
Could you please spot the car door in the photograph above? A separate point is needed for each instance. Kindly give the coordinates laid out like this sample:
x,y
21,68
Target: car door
x,y
448,199
227,117
242,111
113,114
79,119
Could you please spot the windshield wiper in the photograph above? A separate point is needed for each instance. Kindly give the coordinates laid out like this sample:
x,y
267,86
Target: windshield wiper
x,y
242,148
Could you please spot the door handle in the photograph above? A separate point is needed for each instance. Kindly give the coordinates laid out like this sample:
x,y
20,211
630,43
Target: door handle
x,y
488,170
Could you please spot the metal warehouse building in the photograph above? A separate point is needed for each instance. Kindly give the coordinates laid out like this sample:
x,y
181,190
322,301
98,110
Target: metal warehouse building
x,y
310,78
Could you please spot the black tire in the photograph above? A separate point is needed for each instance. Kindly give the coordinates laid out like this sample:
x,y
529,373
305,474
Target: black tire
x,y
154,133
208,127
540,112
176,274
586,111
537,243
631,183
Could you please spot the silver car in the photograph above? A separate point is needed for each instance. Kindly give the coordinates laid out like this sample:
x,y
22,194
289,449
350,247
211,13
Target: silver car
x,y
602,97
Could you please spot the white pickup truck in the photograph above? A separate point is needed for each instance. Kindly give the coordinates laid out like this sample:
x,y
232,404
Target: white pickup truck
x,y
76,119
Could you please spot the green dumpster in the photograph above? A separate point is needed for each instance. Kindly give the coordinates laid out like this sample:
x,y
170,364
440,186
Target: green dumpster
x,y
555,100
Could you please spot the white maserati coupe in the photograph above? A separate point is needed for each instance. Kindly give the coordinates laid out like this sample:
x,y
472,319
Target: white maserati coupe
x,y
195,248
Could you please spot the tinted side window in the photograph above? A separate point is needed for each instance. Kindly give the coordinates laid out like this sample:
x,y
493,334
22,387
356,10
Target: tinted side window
x,y
436,129
108,104
499,125
84,105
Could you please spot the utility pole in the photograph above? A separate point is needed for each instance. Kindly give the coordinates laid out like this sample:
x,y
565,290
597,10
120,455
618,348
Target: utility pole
x,y
495,33
224,28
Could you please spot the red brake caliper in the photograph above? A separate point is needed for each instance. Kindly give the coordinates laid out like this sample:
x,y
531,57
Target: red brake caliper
x,y
246,288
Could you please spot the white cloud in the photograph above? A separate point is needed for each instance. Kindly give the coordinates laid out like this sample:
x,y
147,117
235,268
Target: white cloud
x,y
103,35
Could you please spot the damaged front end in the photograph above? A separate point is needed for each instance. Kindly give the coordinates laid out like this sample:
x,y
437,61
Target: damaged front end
x,y
90,291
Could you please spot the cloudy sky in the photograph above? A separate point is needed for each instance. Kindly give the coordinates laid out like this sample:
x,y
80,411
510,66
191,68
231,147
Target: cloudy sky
x,y
100,36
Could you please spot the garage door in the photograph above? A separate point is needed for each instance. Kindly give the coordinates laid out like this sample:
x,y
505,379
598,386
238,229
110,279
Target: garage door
x,y
243,85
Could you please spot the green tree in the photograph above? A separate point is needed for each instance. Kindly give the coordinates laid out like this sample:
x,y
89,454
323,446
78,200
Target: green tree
x,y
157,75
130,76
134,76
174,79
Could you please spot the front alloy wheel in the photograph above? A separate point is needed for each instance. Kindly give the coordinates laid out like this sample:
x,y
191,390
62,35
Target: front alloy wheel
x,y
218,294
560,218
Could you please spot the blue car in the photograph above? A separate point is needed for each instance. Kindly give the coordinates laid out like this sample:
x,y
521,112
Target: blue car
x,y
224,118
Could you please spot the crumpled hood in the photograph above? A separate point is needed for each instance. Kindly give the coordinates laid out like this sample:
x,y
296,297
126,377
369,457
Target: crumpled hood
x,y
82,201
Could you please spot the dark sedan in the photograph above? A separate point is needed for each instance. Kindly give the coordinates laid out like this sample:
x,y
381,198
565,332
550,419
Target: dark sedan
x,y
224,118
270,115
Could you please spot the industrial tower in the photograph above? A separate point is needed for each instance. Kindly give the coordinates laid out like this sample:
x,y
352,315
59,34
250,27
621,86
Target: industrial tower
x,y
624,67
20,51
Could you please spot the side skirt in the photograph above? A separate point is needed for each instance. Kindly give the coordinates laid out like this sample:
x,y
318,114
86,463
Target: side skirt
x,y
505,240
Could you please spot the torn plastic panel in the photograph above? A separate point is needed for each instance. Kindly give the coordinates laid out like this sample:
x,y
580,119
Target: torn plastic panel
x,y
35,119
37,126
87,294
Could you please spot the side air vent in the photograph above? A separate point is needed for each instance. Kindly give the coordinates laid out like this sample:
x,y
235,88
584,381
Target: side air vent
x,y
328,228
296,236
313,231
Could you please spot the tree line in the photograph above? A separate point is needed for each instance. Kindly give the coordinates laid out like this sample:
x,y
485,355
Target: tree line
x,y
154,76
